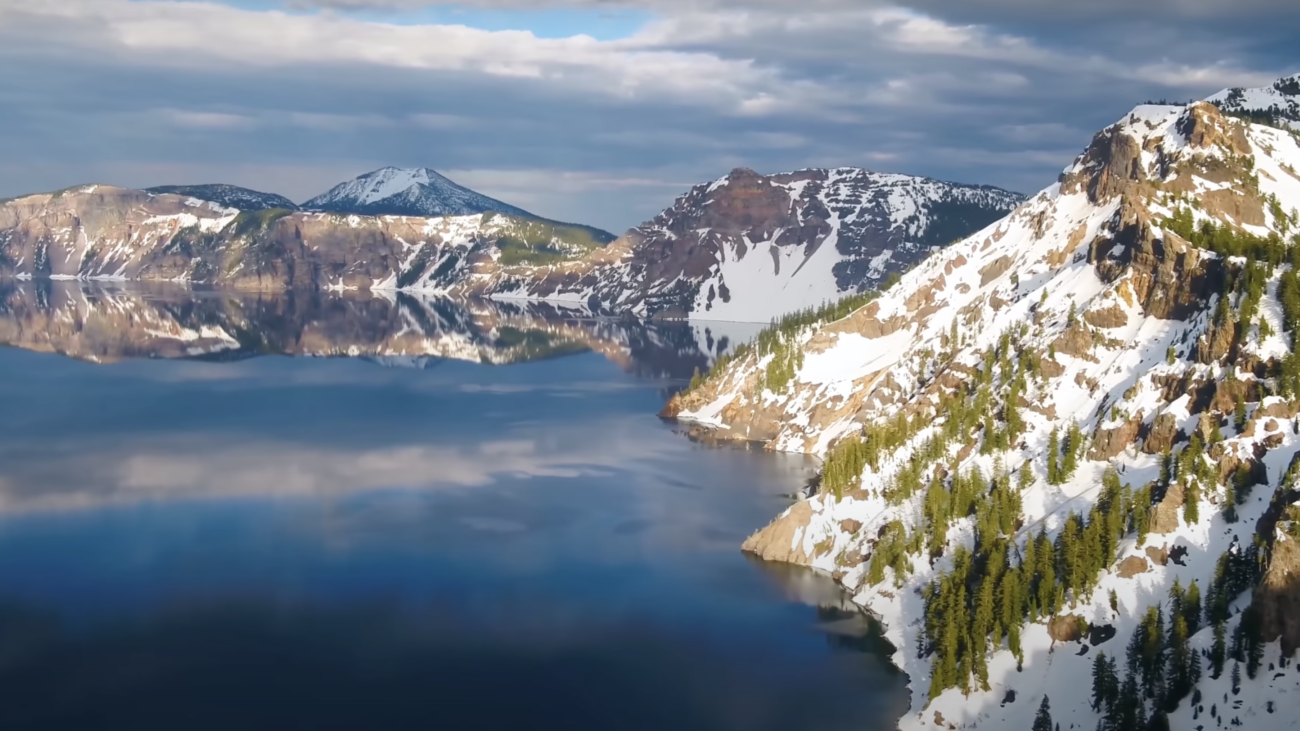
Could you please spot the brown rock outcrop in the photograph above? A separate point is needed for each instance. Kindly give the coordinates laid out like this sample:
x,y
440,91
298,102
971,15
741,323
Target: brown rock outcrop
x,y
1109,443
1278,596
1066,628
1162,434
1132,566
1164,515
1158,555
1106,317
773,543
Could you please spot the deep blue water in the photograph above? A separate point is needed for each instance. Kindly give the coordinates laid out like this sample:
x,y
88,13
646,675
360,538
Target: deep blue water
x,y
326,543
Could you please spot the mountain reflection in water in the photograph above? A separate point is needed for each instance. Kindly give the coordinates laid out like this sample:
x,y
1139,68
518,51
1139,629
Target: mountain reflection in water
x,y
105,322
192,537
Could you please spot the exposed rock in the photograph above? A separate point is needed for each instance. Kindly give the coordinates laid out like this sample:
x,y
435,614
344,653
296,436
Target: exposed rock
x,y
1280,408
1278,597
1164,515
1216,343
1066,628
774,542
850,526
1132,566
1229,390
1051,368
1110,442
1162,435
1076,341
1106,317
1159,555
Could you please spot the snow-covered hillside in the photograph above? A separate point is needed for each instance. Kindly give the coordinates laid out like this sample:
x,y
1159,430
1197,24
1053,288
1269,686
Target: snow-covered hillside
x,y
1278,104
394,191
750,247
228,196
1112,367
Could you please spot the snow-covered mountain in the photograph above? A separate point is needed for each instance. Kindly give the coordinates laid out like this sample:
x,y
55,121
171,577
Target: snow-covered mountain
x,y
750,247
103,232
744,248
1043,436
229,196
420,192
1278,104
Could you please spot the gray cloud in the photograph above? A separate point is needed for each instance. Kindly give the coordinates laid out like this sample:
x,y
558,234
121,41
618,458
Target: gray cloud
x,y
607,132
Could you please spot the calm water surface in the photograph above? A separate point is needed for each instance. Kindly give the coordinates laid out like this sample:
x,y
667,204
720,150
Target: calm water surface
x,y
226,541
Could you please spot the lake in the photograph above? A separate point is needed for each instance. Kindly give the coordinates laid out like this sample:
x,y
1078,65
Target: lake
x,y
469,517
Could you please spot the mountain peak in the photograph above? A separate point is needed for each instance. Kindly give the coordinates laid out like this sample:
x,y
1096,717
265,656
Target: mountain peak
x,y
420,191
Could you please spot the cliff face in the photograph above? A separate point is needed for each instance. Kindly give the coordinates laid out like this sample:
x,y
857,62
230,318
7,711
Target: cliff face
x,y
745,248
1131,325
751,247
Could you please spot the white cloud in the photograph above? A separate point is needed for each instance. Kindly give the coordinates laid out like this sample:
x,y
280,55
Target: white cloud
x,y
560,124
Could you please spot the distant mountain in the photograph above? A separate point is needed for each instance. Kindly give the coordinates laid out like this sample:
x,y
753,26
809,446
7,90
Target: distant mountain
x,y
744,248
1278,105
407,192
230,196
750,247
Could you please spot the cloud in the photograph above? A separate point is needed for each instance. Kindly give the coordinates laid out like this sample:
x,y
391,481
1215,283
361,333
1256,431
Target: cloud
x,y
600,131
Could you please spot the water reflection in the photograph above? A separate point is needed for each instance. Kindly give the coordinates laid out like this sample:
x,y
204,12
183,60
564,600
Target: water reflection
x,y
212,540
106,322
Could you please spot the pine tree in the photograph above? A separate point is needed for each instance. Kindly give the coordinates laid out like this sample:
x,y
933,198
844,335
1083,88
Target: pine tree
x,y
1236,677
1218,651
1239,414
1192,607
1191,504
1053,455
1043,721
1073,440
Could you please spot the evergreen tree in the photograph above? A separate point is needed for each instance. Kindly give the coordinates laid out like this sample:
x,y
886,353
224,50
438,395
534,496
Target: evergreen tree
x,y
1073,442
1043,721
1236,677
1191,503
1218,651
1192,607
1239,414
1053,455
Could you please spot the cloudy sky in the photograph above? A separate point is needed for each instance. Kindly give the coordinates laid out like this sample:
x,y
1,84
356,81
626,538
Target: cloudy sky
x,y
599,111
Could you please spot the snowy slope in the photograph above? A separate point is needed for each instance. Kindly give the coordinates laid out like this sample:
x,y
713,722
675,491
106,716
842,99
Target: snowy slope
x,y
1089,287
1281,101
750,247
229,196
394,191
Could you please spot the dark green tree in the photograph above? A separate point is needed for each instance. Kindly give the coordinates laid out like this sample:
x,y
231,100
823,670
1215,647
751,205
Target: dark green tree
x,y
1043,720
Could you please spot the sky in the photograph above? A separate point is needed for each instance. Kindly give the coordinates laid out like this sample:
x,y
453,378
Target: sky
x,y
597,111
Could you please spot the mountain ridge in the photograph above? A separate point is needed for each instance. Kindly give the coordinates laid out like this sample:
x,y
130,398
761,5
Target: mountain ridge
x,y
744,247
1113,362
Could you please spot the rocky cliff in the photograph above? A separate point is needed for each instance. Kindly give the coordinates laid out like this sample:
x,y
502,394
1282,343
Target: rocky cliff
x,y
751,247
744,248
1038,439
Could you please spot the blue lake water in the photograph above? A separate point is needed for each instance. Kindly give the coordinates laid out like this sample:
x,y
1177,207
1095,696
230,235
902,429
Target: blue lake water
x,y
243,539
